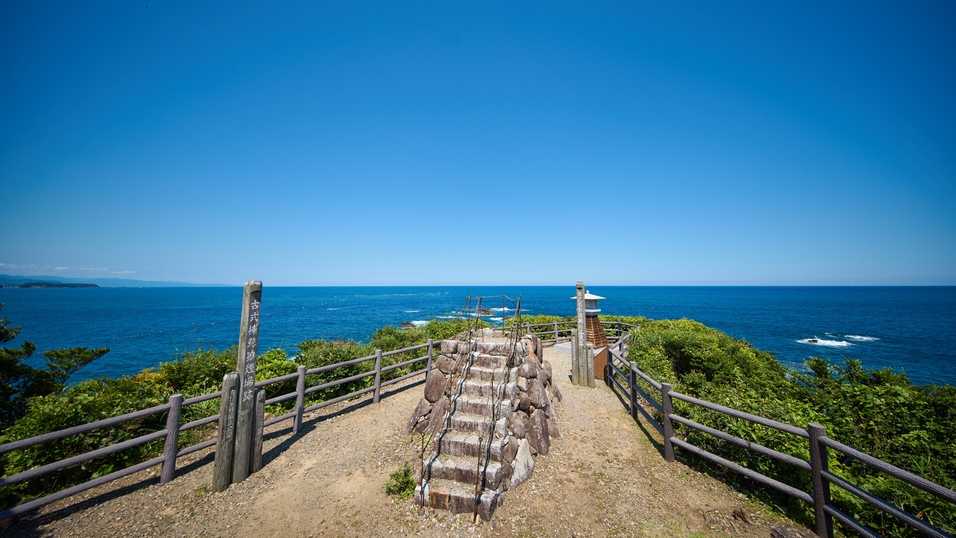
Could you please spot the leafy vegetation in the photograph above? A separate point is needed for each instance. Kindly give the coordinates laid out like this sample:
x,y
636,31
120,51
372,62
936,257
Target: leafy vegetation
x,y
401,483
878,411
20,382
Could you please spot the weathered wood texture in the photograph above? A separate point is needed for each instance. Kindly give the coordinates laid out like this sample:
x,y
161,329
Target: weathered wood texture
x,y
248,350
226,438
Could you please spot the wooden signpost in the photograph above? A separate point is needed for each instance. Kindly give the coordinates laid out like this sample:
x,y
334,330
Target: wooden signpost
x,y
248,348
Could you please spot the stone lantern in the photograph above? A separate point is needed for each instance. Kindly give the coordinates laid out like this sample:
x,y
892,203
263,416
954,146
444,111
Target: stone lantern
x,y
595,332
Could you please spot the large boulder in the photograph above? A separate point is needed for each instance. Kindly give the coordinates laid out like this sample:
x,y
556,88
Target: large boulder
x,y
437,416
518,424
445,364
421,410
539,398
434,386
538,435
523,464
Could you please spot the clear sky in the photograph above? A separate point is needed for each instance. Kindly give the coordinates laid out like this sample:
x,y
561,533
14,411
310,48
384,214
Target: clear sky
x,y
338,143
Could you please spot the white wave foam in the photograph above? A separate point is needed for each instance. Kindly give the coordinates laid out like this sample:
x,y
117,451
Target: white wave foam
x,y
502,309
496,319
412,311
419,323
859,338
825,343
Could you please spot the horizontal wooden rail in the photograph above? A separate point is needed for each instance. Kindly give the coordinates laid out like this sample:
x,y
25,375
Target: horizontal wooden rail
x,y
884,506
60,464
740,414
749,473
892,470
749,445
83,428
62,494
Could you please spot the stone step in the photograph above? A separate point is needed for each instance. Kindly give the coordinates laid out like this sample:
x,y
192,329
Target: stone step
x,y
489,361
466,471
457,498
477,390
498,375
466,445
478,424
481,406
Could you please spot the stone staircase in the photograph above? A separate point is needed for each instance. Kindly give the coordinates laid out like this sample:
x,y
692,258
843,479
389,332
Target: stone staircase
x,y
474,456
468,460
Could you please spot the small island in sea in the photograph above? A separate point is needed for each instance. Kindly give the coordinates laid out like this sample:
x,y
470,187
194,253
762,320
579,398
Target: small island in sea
x,y
51,285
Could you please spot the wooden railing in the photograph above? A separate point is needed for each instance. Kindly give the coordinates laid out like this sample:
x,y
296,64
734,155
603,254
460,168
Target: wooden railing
x,y
173,410
626,377
563,331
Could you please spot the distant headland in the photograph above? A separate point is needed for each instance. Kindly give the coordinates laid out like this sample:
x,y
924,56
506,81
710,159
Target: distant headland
x,y
36,284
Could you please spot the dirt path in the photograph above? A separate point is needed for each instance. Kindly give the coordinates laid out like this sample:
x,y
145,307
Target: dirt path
x,y
603,477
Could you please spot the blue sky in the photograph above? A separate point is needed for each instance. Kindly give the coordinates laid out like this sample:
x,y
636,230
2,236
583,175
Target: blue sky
x,y
631,143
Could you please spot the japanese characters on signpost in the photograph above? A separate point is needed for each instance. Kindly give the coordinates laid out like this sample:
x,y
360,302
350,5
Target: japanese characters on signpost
x,y
248,348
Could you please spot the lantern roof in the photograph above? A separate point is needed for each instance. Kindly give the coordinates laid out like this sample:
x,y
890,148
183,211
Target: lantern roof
x,y
588,296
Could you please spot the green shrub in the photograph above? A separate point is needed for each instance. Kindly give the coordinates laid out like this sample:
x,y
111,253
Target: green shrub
x,y
401,483
877,411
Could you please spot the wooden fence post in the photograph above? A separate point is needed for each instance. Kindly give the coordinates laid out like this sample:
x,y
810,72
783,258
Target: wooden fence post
x,y
248,348
428,364
225,441
255,459
299,400
582,336
589,365
378,376
821,487
171,446
633,380
575,371
555,332
668,425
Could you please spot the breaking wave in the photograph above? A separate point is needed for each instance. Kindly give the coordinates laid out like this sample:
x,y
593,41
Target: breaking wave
x,y
825,343
858,338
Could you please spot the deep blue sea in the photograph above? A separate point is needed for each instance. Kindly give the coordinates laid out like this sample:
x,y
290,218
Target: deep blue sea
x,y
911,328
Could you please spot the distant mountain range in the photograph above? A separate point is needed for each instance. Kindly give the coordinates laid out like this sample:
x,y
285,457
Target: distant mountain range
x,y
11,281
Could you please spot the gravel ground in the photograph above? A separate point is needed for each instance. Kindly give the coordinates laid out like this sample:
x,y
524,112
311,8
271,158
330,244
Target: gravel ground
x,y
604,476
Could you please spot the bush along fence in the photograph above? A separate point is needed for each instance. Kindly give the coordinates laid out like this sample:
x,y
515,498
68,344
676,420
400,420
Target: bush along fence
x,y
241,417
625,378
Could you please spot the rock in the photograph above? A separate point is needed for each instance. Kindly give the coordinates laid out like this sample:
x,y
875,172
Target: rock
x,y
523,384
524,402
437,416
434,386
449,347
518,424
545,374
553,428
421,410
538,435
445,364
530,368
407,325
538,348
556,391
536,393
509,451
523,464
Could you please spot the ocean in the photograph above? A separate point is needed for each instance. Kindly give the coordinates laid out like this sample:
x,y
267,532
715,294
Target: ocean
x,y
908,328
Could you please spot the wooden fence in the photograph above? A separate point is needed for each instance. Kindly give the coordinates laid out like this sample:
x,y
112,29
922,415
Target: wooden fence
x,y
561,331
627,378
173,411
